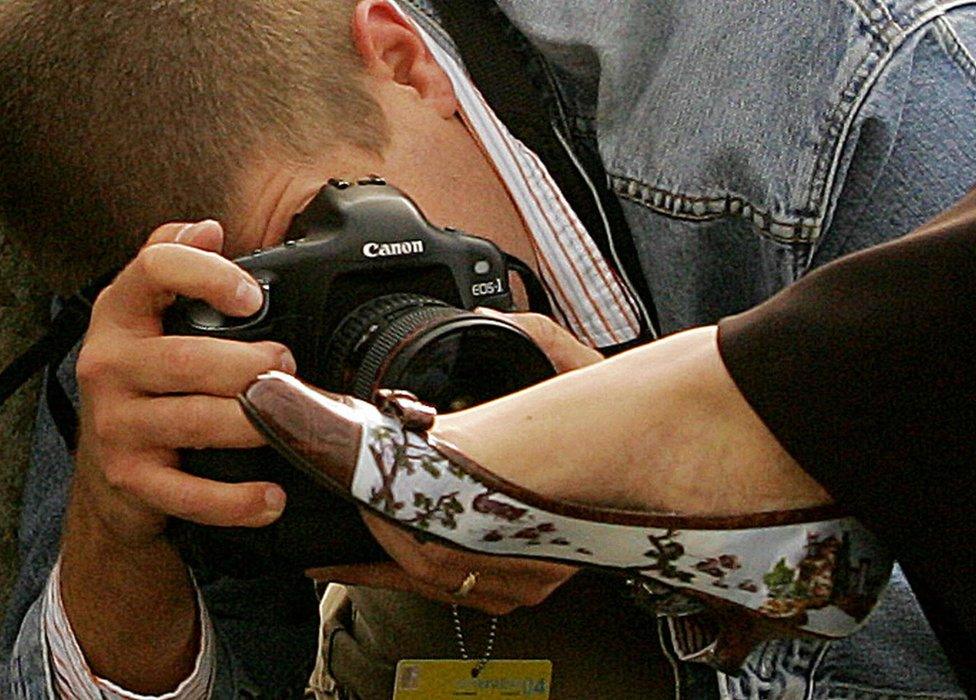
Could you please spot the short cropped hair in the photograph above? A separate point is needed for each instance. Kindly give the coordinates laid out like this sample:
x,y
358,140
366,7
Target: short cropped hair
x,y
116,116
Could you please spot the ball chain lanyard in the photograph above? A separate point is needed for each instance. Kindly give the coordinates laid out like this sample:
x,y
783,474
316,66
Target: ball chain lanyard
x,y
463,648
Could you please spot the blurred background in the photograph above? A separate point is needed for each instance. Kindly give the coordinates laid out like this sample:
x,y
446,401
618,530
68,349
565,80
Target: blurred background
x,y
23,306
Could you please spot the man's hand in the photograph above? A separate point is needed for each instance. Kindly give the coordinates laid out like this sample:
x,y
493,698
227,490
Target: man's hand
x,y
436,571
561,347
144,395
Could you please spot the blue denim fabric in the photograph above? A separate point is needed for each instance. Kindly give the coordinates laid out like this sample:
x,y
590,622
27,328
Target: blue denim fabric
x,y
895,656
266,628
753,139
30,672
749,142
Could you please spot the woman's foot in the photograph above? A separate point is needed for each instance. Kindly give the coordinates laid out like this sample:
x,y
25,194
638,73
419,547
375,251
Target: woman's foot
x,y
660,428
388,462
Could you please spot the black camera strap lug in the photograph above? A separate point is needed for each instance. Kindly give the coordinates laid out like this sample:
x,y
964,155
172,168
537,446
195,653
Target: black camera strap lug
x,y
538,298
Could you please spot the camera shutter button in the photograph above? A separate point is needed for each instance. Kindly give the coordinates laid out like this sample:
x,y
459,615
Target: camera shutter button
x,y
206,317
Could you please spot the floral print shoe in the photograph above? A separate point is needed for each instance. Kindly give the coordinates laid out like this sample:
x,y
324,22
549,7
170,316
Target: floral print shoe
x,y
808,571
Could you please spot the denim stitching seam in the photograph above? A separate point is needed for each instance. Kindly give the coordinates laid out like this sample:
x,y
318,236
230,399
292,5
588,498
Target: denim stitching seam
x,y
837,125
676,205
885,32
957,52
883,9
878,20
841,120
804,228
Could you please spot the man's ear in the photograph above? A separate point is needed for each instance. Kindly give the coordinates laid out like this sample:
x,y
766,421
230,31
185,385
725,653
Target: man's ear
x,y
392,49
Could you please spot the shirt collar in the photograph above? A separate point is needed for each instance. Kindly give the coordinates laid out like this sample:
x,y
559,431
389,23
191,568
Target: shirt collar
x,y
583,288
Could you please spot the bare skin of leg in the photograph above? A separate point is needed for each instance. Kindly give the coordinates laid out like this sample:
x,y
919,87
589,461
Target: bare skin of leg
x,y
659,428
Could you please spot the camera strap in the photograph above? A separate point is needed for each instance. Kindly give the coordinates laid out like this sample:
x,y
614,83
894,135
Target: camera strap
x,y
518,85
538,299
66,330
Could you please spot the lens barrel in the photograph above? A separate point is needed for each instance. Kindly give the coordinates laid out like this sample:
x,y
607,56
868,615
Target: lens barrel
x,y
448,357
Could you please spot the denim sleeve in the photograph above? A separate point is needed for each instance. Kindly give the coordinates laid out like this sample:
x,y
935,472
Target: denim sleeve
x,y
911,151
29,672
265,636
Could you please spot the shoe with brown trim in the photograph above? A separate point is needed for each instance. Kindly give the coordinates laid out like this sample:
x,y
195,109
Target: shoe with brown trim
x,y
810,571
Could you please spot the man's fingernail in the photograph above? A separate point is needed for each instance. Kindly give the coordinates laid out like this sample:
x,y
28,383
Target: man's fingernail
x,y
287,363
182,236
249,295
274,499
190,232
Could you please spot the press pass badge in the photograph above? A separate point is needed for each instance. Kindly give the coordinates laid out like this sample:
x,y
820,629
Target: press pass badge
x,y
447,679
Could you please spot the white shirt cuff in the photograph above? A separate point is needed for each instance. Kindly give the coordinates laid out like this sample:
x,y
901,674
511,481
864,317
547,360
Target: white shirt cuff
x,y
72,677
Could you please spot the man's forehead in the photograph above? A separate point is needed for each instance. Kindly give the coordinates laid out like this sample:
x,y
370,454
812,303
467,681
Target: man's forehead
x,y
271,192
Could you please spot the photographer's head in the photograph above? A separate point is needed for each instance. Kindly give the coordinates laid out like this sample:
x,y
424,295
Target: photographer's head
x,y
117,117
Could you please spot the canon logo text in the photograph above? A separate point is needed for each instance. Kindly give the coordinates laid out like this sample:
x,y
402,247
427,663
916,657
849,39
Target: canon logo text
x,y
387,250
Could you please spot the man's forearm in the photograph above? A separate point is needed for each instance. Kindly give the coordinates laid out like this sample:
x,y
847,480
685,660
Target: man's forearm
x,y
132,608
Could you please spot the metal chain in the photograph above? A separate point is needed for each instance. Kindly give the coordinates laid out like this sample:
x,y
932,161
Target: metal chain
x,y
463,648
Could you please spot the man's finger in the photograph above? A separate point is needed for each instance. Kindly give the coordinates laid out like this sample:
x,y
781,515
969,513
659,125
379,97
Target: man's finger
x,y
203,501
206,235
175,422
436,571
383,575
562,348
137,296
197,365
391,576
437,562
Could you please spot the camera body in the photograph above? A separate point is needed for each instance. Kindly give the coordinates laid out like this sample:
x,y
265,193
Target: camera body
x,y
354,242
367,294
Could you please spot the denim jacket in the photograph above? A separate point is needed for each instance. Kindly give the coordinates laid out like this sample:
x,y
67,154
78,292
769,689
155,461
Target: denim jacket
x,y
747,142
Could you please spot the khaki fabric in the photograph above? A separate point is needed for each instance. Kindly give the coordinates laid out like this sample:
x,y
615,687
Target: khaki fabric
x,y
334,609
600,644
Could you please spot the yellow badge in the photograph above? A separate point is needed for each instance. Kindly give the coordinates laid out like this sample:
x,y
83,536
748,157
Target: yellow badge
x,y
446,679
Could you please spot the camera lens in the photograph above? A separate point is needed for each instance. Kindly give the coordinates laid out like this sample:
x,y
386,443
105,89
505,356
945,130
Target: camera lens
x,y
449,358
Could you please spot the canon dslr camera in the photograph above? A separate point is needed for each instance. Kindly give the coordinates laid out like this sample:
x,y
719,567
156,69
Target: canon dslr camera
x,y
367,294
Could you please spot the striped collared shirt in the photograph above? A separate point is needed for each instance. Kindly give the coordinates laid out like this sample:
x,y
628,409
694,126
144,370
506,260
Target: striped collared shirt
x,y
585,291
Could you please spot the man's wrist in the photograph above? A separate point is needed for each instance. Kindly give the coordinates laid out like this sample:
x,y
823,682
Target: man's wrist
x,y
94,551
108,586
75,676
